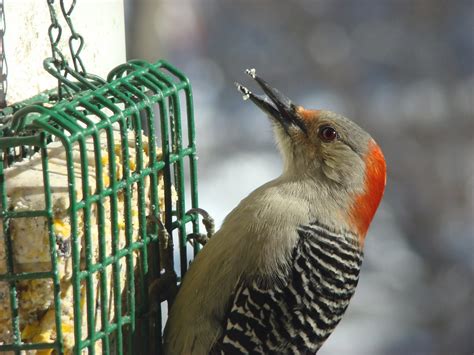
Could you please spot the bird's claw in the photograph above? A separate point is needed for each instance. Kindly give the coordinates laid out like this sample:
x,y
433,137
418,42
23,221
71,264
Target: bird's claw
x,y
208,223
163,234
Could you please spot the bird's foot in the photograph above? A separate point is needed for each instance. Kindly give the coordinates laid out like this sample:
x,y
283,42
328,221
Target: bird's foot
x,y
164,288
208,223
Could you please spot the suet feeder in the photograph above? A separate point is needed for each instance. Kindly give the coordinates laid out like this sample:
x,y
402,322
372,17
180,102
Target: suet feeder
x,y
95,179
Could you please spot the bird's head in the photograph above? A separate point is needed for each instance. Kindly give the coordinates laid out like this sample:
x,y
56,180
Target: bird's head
x,y
323,146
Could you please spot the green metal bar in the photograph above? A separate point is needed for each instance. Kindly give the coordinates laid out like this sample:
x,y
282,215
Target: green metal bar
x,y
115,233
176,138
23,276
86,215
156,326
99,335
121,253
26,346
129,280
8,142
193,158
9,263
75,245
167,181
52,244
183,221
24,214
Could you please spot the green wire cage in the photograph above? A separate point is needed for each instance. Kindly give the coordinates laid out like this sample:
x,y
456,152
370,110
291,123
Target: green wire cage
x,y
83,183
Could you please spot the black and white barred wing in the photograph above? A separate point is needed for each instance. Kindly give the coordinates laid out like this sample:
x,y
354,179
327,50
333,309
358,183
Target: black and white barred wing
x,y
256,322
297,314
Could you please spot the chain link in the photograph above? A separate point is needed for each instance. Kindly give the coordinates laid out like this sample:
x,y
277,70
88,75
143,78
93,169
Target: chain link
x,y
3,59
54,33
76,41
76,44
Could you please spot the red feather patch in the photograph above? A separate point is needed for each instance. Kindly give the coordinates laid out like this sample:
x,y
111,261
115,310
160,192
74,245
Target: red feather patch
x,y
365,205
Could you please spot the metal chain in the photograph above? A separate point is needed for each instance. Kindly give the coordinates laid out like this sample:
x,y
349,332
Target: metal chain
x,y
3,59
76,44
54,33
76,41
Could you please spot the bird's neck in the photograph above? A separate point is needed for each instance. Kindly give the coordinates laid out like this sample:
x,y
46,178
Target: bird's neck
x,y
316,200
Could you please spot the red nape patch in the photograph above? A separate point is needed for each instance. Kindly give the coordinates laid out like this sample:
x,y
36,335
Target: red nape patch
x,y
365,205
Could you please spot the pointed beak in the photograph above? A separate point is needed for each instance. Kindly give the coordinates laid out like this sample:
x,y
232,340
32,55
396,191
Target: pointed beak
x,y
274,103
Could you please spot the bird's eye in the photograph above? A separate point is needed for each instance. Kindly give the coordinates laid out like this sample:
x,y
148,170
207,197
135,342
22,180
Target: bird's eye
x,y
327,133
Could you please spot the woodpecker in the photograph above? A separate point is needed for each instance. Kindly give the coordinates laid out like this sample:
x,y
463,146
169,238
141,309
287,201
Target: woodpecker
x,y
279,274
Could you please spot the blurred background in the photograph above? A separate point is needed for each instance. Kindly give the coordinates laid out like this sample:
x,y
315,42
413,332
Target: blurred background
x,y
401,69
